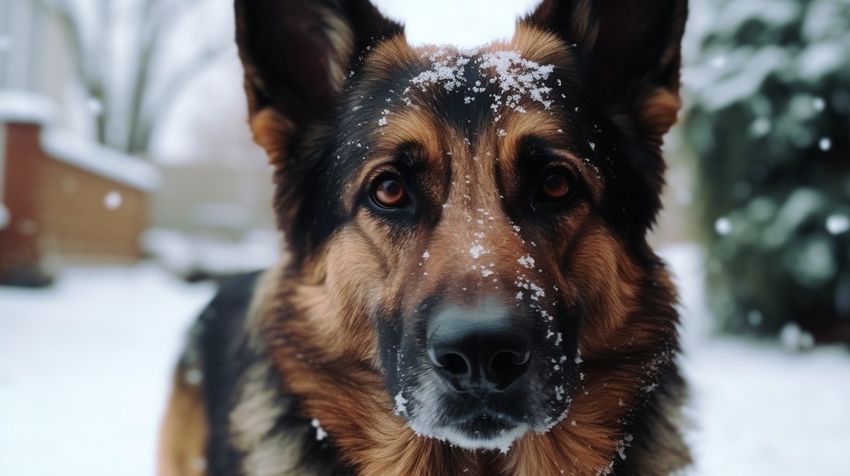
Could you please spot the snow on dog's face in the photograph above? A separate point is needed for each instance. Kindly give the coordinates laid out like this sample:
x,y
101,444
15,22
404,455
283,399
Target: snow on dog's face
x,y
472,222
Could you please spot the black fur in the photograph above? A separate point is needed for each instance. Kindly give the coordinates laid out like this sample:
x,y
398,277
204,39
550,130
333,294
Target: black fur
x,y
220,345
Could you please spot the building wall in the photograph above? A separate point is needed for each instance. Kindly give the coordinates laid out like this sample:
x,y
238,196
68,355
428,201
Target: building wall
x,y
85,217
61,213
19,245
4,211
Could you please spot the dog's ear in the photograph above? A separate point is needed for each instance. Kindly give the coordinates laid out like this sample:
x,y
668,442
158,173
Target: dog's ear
x,y
296,55
633,49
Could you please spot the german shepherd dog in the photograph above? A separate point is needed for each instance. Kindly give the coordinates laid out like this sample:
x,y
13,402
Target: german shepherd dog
x,y
467,286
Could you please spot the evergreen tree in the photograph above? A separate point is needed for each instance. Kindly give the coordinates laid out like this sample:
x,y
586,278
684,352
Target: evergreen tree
x,y
769,119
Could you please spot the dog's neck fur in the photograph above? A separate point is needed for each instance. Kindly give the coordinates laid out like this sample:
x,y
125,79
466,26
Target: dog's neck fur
x,y
347,398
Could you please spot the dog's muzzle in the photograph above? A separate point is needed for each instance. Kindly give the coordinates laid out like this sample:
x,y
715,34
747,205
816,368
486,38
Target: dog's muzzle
x,y
480,376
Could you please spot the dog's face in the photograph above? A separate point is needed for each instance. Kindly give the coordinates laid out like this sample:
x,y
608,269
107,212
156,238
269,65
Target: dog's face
x,y
465,190
464,221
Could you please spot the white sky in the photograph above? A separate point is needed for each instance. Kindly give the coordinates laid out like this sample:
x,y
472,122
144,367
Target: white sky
x,y
465,23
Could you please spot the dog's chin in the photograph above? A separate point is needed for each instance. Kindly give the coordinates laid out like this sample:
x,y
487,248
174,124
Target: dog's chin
x,y
496,435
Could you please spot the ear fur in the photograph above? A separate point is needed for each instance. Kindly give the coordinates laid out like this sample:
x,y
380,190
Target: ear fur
x,y
632,49
296,55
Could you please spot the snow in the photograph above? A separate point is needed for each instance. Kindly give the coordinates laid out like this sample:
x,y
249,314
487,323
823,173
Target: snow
x,y
793,337
723,226
186,253
758,407
400,404
84,369
446,70
741,76
535,291
85,366
526,261
476,251
321,434
819,59
113,200
516,79
837,224
760,127
72,149
20,106
765,410
4,216
95,106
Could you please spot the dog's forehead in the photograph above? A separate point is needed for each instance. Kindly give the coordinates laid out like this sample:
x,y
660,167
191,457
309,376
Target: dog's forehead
x,y
502,78
467,113
471,92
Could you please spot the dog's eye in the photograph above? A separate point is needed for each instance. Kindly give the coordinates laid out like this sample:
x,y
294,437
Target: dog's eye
x,y
388,191
556,185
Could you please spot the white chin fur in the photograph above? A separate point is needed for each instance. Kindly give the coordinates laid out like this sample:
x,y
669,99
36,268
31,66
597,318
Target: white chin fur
x,y
501,442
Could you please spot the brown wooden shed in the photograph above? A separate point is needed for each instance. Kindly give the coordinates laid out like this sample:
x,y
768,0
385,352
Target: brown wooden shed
x,y
64,199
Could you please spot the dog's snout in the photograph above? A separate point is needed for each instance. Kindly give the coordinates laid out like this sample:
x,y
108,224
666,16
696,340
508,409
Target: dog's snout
x,y
478,350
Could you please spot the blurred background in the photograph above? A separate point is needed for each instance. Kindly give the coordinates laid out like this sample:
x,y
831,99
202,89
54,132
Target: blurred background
x,y
129,183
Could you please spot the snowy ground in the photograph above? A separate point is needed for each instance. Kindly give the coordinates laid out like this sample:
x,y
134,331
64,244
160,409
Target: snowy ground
x,y
757,408
84,370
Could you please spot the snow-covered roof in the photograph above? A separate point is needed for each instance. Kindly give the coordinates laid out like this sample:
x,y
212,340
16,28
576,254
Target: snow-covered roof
x,y
26,107
85,154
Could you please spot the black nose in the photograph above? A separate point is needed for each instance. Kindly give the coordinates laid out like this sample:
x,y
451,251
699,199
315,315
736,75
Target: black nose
x,y
478,350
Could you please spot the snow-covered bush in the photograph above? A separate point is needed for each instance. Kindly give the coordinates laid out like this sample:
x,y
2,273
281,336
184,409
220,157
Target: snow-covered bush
x,y
769,119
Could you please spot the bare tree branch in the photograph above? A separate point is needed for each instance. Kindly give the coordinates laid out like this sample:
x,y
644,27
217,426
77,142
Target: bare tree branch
x,y
91,53
91,77
159,104
156,20
70,25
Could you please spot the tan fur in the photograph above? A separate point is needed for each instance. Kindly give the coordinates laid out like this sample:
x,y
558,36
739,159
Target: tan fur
x,y
272,131
539,123
588,440
389,54
539,46
264,297
253,422
659,112
183,431
341,40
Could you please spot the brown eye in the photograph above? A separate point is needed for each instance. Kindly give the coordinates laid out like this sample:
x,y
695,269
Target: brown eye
x,y
556,185
388,191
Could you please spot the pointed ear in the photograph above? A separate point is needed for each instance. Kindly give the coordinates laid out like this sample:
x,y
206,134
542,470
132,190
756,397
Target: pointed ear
x,y
296,55
633,52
